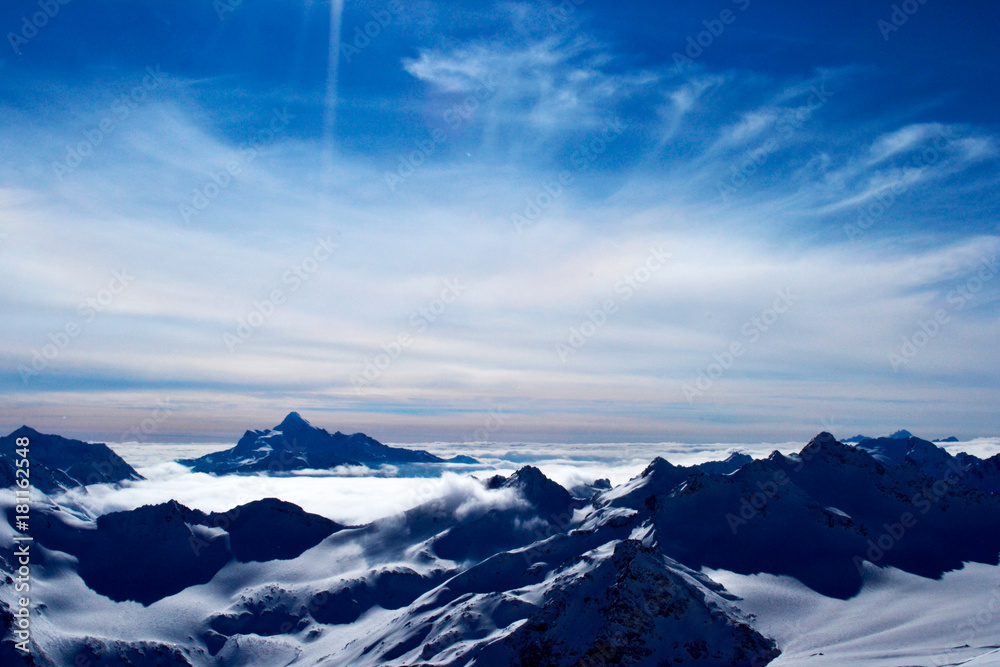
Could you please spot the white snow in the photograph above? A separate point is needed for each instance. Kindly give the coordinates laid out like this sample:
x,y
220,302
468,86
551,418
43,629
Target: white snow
x,y
897,619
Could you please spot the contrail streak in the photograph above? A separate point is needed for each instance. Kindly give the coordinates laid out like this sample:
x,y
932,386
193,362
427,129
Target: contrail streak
x,y
330,99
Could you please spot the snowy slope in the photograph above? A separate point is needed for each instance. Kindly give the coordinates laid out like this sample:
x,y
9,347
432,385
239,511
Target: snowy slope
x,y
620,603
897,618
515,570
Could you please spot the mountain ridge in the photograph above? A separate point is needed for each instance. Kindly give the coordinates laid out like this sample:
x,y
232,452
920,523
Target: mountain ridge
x,y
295,444
59,464
515,570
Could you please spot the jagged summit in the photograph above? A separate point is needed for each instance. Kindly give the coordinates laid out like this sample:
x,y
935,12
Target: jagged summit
x,y
836,499
894,450
549,498
291,422
658,466
295,444
661,476
729,465
822,445
529,575
822,439
901,434
934,461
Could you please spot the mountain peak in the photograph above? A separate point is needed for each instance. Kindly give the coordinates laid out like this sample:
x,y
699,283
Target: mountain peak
x,y
530,474
548,497
292,421
733,462
901,434
823,443
295,444
822,439
658,465
60,463
531,480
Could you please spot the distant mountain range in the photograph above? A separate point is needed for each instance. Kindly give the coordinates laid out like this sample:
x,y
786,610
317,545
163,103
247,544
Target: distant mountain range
x,y
520,572
902,434
57,463
935,462
295,444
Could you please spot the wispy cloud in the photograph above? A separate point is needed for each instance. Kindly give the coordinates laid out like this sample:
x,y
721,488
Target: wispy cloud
x,y
536,90
558,83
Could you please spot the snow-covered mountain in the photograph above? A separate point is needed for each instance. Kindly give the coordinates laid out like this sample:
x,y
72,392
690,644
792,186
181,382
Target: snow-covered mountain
x,y
568,602
729,465
934,461
817,514
154,551
511,570
900,434
295,444
59,463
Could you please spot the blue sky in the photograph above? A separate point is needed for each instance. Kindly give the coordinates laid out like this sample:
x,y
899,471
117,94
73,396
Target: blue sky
x,y
738,220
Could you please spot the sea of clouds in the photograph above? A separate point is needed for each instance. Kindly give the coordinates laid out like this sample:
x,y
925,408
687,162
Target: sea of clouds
x,y
356,495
